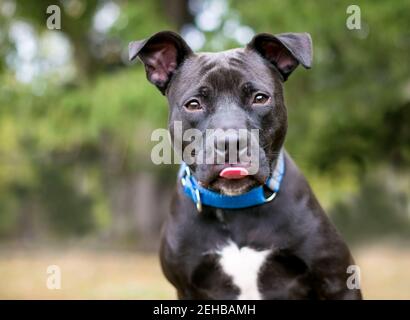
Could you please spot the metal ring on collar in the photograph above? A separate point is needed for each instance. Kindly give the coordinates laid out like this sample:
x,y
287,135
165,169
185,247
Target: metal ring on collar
x,y
271,197
198,200
187,174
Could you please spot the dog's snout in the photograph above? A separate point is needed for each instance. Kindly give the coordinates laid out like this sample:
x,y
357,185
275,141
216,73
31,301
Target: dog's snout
x,y
230,145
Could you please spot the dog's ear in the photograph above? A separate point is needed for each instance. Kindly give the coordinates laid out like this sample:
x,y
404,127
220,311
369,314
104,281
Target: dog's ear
x,y
285,50
161,54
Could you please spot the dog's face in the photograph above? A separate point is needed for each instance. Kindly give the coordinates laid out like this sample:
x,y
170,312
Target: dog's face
x,y
235,89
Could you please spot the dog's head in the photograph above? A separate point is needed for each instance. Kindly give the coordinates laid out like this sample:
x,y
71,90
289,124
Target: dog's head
x,y
235,89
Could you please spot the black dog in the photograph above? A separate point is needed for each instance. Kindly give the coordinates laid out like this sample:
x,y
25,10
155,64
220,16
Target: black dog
x,y
285,248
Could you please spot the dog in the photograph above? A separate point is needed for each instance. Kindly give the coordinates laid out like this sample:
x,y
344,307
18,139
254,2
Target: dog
x,y
231,234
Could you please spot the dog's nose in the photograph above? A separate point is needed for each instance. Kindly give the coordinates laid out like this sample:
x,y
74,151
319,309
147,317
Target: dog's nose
x,y
230,146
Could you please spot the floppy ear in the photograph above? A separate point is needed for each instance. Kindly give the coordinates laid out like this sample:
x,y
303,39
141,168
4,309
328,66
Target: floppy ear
x,y
161,54
285,50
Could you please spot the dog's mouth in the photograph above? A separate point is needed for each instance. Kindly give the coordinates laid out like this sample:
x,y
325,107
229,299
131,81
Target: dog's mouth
x,y
233,187
233,181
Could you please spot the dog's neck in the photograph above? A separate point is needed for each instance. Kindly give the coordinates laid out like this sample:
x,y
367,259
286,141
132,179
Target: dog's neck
x,y
256,196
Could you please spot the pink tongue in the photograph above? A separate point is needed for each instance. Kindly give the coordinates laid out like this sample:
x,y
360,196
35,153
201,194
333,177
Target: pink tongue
x,y
234,173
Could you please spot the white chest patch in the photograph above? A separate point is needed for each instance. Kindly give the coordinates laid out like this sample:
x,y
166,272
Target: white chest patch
x,y
243,266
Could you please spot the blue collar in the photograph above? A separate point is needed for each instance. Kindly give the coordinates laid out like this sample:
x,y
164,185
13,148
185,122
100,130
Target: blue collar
x,y
202,196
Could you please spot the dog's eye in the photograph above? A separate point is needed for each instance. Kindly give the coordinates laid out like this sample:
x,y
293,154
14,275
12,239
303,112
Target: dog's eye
x,y
260,98
193,105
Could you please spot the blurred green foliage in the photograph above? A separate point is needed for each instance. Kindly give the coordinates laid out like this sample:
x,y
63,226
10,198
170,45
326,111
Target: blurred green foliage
x,y
64,148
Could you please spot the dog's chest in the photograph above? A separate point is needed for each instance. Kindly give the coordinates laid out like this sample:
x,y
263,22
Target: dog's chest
x,y
242,272
242,257
243,266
